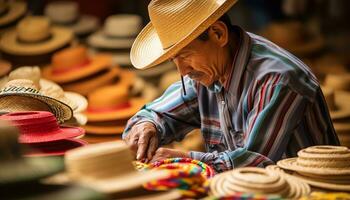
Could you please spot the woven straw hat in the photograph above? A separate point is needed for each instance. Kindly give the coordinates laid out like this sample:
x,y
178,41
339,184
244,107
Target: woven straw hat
x,y
14,167
292,36
174,24
34,35
118,32
28,98
107,167
66,13
74,63
116,102
325,167
257,181
40,126
10,12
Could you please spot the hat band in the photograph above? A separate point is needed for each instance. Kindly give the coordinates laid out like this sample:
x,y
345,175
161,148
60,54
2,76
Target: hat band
x,y
71,68
19,89
109,108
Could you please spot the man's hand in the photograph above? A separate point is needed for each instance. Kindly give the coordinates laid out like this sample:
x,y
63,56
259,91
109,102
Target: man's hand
x,y
164,153
143,140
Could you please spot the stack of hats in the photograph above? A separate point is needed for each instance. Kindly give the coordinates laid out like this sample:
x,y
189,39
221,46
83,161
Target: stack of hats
x,y
107,167
75,70
116,37
109,109
5,68
10,13
77,102
256,181
324,167
26,173
337,101
41,131
66,13
294,37
23,95
33,41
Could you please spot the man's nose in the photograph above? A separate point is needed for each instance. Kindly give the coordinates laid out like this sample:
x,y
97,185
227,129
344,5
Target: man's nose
x,y
182,67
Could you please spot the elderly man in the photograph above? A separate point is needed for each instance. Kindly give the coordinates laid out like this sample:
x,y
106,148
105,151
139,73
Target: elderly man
x,y
254,102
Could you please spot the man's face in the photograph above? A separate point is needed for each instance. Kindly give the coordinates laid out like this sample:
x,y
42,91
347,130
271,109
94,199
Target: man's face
x,y
200,60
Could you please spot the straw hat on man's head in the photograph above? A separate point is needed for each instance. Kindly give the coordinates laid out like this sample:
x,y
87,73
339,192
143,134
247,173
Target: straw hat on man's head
x,y
174,24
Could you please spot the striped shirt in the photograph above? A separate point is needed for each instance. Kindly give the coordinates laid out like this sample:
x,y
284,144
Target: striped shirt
x,y
270,107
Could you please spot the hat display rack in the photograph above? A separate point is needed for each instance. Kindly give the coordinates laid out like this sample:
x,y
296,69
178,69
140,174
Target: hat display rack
x,y
68,88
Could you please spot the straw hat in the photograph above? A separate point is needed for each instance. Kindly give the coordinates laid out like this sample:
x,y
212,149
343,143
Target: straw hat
x,y
11,11
15,168
28,98
292,36
325,167
34,35
40,126
112,103
74,63
84,165
118,32
174,25
257,181
66,13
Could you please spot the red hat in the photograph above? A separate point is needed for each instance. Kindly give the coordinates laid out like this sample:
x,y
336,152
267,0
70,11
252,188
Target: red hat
x,y
56,148
40,126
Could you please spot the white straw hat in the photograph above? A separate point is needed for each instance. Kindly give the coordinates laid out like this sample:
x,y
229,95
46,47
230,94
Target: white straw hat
x,y
174,24
107,167
66,13
118,32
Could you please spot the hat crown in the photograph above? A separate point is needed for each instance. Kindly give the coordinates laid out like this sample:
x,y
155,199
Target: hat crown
x,y
109,96
27,72
124,25
100,161
10,149
33,29
62,11
170,17
33,122
70,57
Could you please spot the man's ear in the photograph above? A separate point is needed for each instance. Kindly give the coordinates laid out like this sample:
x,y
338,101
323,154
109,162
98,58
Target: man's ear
x,y
218,32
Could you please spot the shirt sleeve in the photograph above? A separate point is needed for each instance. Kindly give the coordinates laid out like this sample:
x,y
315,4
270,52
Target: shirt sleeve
x,y
271,112
174,114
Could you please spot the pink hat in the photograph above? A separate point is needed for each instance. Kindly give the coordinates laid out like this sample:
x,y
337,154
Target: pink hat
x,y
55,148
40,126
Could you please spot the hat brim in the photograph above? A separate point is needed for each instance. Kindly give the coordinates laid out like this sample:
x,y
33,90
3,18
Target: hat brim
x,y
86,24
100,40
16,10
56,148
59,37
64,132
147,50
54,192
321,184
29,169
84,87
98,63
124,182
79,100
61,110
126,113
291,164
103,130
